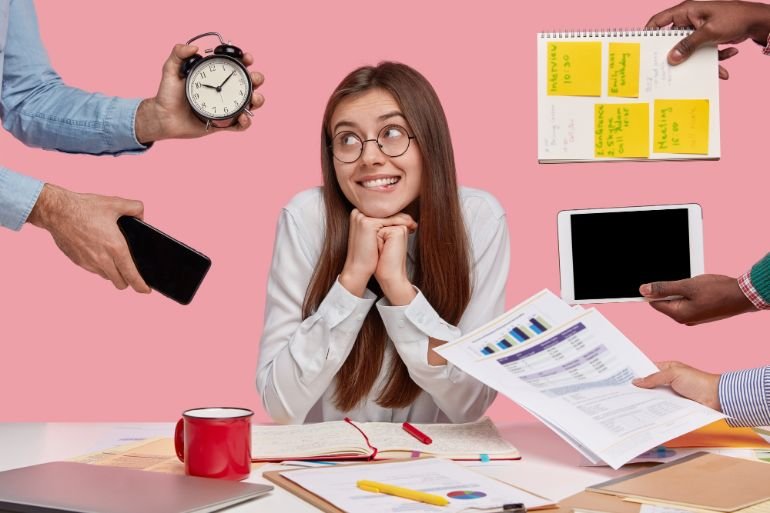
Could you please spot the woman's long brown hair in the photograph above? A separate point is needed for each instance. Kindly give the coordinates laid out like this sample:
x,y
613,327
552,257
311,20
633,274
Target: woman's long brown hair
x,y
442,263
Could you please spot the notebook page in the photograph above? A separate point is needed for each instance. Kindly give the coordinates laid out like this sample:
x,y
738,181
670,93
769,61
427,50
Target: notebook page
x,y
613,102
307,440
469,439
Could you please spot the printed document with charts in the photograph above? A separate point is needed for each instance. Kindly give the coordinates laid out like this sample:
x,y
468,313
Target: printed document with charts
x,y
572,369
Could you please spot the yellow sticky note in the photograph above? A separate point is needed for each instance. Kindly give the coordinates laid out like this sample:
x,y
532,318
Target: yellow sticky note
x,y
622,130
623,72
574,69
681,126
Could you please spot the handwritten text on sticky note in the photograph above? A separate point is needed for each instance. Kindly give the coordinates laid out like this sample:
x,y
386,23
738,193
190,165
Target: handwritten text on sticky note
x,y
623,72
681,126
574,69
622,130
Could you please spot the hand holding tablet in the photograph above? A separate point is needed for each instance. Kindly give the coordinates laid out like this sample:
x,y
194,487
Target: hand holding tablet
x,y
606,254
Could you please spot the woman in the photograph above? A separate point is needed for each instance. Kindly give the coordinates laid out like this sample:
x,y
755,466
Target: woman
x,y
388,223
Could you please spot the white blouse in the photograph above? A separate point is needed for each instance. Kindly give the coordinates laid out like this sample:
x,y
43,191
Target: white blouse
x,y
298,359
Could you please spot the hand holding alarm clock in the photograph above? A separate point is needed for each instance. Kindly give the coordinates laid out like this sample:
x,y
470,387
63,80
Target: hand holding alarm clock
x,y
218,86
175,113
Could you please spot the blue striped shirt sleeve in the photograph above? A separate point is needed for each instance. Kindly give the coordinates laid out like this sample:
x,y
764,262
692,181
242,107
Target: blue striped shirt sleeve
x,y
745,397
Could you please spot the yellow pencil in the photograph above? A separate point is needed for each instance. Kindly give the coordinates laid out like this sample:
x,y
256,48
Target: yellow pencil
x,y
398,491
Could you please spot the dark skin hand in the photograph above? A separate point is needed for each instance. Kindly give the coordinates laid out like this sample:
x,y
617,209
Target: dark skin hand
x,y
705,298
715,22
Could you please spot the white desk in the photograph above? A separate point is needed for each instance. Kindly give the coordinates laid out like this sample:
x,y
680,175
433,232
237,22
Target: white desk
x,y
548,466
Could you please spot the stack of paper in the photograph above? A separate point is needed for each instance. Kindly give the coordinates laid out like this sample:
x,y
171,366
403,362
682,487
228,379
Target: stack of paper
x,y
716,438
572,369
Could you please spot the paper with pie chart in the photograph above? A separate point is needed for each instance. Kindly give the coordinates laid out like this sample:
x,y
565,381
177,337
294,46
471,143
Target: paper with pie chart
x,y
463,487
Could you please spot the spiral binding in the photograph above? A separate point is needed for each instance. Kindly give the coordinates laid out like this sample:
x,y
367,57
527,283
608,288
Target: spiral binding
x,y
616,32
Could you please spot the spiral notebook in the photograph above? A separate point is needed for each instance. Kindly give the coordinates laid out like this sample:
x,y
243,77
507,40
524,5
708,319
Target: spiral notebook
x,y
611,95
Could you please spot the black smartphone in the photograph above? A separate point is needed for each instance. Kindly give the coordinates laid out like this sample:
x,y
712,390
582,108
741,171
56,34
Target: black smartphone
x,y
166,265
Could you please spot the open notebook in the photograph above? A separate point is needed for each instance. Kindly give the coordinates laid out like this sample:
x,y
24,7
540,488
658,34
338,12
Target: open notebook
x,y
478,440
611,95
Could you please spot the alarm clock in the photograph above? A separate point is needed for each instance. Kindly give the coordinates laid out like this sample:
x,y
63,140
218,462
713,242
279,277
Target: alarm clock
x,y
218,86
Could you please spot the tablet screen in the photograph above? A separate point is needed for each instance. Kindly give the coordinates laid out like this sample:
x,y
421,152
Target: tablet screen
x,y
613,253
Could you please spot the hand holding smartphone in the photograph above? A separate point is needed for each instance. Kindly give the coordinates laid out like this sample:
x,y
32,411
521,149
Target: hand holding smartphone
x,y
166,265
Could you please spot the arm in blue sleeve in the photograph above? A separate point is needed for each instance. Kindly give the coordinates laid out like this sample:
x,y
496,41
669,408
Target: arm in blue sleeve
x,y
18,194
41,111
745,397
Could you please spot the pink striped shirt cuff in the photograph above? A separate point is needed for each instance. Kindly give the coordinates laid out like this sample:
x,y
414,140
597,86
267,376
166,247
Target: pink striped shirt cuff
x,y
744,282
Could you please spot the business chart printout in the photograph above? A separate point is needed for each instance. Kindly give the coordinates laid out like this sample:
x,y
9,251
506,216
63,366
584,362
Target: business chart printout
x,y
576,377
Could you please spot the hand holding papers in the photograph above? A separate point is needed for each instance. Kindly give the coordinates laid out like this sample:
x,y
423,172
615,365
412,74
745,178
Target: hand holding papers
x,y
572,369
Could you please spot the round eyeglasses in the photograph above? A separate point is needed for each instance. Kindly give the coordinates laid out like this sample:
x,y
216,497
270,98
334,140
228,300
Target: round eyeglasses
x,y
393,141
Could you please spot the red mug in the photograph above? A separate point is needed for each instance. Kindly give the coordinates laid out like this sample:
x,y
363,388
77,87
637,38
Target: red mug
x,y
215,442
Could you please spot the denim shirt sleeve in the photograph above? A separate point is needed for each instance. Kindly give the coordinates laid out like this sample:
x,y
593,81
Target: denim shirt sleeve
x,y
41,111
18,194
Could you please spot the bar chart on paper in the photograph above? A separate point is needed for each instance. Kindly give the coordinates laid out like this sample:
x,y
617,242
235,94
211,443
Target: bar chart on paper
x,y
524,323
518,334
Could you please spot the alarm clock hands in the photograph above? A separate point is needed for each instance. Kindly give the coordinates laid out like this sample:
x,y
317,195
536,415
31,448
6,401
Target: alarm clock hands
x,y
168,115
225,81
219,87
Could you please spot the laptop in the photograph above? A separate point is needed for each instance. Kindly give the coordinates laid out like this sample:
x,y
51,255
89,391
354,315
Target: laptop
x,y
78,487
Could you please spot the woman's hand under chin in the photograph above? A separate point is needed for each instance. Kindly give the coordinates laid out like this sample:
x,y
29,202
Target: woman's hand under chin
x,y
391,273
364,247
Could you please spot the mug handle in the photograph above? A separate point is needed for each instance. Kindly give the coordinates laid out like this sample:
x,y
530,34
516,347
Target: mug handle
x,y
179,440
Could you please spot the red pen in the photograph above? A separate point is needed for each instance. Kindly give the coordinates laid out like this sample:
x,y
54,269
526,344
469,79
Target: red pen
x,y
419,435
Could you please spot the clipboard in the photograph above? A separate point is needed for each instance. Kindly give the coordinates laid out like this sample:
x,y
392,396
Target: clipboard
x,y
275,477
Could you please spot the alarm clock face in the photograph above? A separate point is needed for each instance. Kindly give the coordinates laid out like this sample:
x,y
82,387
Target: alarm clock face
x,y
218,87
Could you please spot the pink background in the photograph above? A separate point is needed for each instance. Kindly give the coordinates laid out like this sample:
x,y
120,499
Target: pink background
x,y
74,348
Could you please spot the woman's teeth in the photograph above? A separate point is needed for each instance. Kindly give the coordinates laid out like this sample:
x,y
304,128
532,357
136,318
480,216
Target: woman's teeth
x,y
380,182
